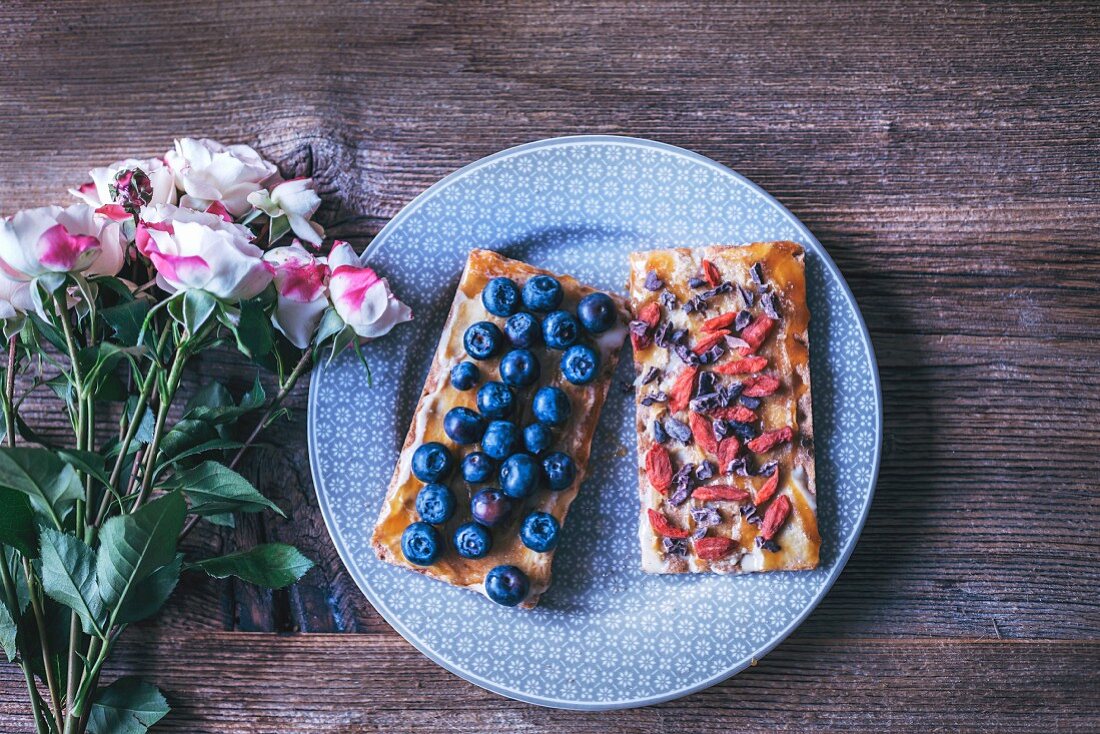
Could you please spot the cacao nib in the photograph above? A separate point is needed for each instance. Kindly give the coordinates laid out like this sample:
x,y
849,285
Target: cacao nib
x,y
659,433
654,397
668,300
748,511
640,329
757,273
686,355
679,496
661,336
651,374
652,282
744,318
712,355
675,547
684,483
700,532
678,430
767,469
705,403
704,383
706,516
750,403
747,296
768,545
705,470
721,428
696,283
739,466
696,304
728,393
770,303
744,431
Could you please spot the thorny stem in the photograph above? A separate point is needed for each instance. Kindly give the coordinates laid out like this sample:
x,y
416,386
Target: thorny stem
x,y
9,395
284,391
47,657
32,689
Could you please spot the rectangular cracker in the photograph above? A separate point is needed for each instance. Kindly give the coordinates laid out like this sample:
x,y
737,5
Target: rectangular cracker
x,y
439,396
737,547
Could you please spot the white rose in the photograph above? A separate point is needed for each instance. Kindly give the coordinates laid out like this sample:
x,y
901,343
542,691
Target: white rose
x,y
207,171
362,298
219,260
50,239
163,216
300,280
15,297
97,193
298,201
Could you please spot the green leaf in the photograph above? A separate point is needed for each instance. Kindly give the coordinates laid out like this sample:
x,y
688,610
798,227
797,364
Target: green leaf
x,y
127,706
197,307
88,462
211,395
215,444
17,526
279,227
9,629
253,330
184,436
144,433
214,489
100,360
69,577
227,412
132,546
271,565
222,519
51,484
126,319
49,331
150,594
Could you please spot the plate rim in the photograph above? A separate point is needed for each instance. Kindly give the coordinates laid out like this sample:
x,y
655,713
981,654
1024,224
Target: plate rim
x,y
738,666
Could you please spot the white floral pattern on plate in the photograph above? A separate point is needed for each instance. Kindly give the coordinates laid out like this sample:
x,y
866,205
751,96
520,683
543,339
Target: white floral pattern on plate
x,y
605,635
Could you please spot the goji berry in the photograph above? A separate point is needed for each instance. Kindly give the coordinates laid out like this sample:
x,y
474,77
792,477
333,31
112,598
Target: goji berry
x,y
679,395
662,526
712,549
650,314
774,517
768,440
703,432
743,366
720,493
761,386
709,341
767,491
728,449
738,413
756,332
720,322
710,272
658,468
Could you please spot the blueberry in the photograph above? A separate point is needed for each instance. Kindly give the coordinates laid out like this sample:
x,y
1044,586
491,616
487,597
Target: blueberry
x,y
560,470
495,400
435,504
507,585
472,540
539,531
519,367
519,475
501,297
490,507
421,544
465,375
542,293
482,340
432,462
551,406
523,330
463,425
597,312
537,438
560,330
477,467
579,364
501,440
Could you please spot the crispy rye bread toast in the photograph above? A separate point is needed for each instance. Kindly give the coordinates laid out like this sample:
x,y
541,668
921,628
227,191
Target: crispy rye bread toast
x,y
795,545
439,396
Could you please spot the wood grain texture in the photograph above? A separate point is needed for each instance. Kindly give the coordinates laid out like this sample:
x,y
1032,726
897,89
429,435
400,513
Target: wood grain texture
x,y
946,155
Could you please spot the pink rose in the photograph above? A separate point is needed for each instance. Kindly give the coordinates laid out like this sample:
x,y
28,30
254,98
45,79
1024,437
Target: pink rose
x,y
163,216
15,297
97,192
218,259
300,280
207,172
50,239
362,298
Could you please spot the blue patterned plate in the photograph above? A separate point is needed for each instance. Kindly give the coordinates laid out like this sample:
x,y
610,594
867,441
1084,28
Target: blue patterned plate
x,y
605,635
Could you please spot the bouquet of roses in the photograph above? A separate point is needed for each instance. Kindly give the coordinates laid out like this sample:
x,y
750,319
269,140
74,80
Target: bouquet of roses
x,y
103,303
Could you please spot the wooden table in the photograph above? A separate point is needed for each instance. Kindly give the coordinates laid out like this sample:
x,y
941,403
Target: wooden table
x,y
947,156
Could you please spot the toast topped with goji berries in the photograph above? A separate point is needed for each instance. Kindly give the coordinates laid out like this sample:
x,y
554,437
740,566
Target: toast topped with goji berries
x,y
725,429
500,439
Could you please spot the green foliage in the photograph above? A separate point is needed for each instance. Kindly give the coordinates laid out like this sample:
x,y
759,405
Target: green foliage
x,y
52,485
69,577
125,320
214,489
17,523
127,706
271,565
